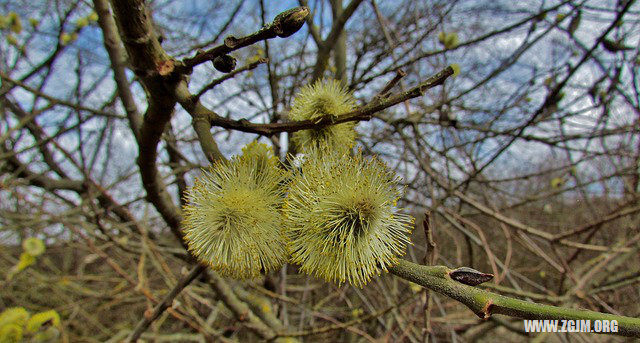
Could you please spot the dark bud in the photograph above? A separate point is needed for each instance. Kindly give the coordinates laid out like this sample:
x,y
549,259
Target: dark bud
x,y
469,276
539,17
612,46
224,63
231,42
290,21
159,33
574,23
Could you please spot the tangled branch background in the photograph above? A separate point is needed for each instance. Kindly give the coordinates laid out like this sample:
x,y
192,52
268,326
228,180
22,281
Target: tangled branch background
x,y
317,170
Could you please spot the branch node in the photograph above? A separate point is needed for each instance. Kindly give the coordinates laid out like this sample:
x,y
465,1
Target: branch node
x,y
486,310
231,42
165,68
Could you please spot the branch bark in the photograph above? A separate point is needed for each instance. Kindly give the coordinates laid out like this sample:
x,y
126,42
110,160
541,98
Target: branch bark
x,y
363,113
485,304
155,69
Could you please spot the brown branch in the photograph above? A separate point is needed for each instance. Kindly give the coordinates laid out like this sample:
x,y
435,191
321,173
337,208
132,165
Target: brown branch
x,y
199,113
118,269
277,28
351,323
56,101
363,113
428,260
154,67
240,309
41,180
117,57
313,29
28,120
228,76
154,124
387,88
325,47
618,213
166,302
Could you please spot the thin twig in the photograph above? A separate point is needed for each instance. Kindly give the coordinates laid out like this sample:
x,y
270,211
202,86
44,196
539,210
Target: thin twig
x,y
232,43
429,260
399,75
363,113
165,303
228,76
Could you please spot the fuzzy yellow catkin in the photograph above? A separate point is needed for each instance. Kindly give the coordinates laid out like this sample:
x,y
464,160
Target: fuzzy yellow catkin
x,y
341,217
33,246
11,333
14,315
15,22
232,220
37,320
65,38
93,16
323,98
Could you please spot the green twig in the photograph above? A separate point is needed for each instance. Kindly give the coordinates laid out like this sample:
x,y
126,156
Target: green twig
x,y
484,304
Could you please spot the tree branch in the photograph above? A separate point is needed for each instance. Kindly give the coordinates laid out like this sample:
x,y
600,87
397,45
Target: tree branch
x,y
484,303
278,28
363,113
155,69
166,302
313,29
117,57
325,48
199,113
240,309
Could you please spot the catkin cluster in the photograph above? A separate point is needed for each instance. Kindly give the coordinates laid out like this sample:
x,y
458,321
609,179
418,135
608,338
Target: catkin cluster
x,y
335,214
18,325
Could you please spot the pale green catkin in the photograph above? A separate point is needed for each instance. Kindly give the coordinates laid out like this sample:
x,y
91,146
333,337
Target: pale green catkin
x,y
323,98
233,220
342,220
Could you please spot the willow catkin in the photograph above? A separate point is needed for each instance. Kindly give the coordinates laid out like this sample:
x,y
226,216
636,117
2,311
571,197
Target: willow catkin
x,y
341,217
323,98
232,219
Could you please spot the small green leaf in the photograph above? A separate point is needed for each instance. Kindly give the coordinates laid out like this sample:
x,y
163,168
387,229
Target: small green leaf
x,y
557,182
82,22
456,69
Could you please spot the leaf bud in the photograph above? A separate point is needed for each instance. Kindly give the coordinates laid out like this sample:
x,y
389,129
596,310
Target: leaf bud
x,y
290,21
224,63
